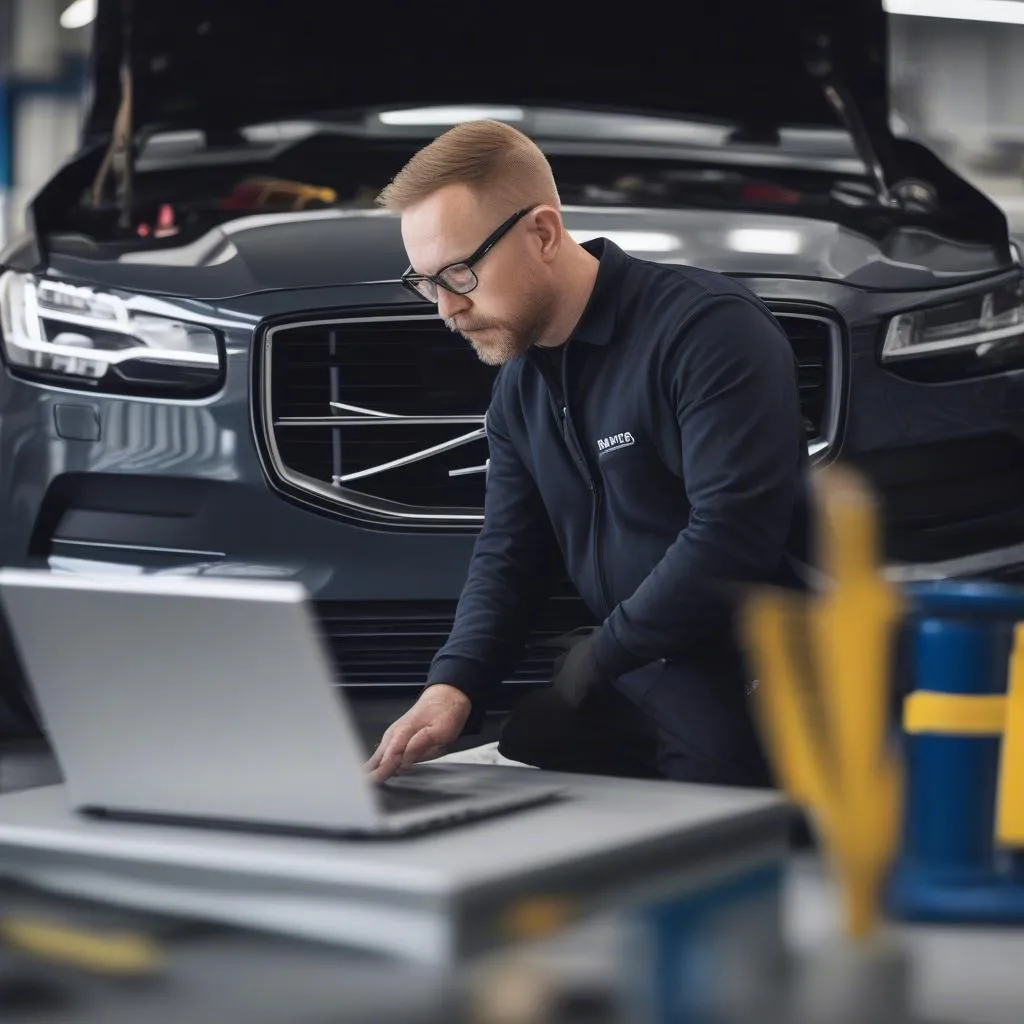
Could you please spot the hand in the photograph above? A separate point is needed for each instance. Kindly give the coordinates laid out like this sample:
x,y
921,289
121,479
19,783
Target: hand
x,y
577,673
423,732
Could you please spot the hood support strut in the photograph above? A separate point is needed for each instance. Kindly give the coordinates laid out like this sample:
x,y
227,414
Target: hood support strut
x,y
850,116
122,146
821,66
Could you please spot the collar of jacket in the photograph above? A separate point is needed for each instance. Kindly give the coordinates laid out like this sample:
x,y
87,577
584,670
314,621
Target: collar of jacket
x,y
597,324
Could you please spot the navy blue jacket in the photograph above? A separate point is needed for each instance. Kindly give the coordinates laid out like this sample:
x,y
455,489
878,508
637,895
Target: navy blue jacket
x,y
673,470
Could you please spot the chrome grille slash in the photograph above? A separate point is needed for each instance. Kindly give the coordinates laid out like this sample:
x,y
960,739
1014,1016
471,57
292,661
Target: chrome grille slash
x,y
396,406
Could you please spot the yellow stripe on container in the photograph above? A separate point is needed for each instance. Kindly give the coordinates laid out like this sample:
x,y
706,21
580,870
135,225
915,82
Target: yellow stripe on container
x,y
1010,798
954,714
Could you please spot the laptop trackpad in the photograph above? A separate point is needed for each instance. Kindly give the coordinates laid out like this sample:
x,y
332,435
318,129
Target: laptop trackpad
x,y
395,797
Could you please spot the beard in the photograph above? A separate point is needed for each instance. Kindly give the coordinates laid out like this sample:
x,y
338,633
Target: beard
x,y
496,343
497,346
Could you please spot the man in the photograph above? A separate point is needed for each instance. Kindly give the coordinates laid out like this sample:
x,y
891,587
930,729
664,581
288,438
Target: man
x,y
644,428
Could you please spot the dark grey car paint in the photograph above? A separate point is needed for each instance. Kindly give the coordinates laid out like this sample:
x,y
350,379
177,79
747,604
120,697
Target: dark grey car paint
x,y
349,247
232,517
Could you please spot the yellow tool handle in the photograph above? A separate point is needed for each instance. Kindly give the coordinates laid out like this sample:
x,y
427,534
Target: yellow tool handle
x,y
122,953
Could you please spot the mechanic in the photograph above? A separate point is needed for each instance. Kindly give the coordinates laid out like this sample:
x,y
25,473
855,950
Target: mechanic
x,y
645,431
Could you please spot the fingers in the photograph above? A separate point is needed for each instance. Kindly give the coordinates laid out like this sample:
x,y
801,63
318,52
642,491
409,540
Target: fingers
x,y
405,766
390,751
385,768
422,746
422,733
375,758
386,740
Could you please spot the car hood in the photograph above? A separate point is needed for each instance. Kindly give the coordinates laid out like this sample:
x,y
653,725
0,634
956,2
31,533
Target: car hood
x,y
215,64
337,248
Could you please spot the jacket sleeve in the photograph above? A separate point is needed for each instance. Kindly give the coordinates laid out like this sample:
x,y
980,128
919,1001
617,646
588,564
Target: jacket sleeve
x,y
731,378
510,573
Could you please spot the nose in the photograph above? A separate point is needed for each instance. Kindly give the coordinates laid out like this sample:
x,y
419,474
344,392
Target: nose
x,y
449,304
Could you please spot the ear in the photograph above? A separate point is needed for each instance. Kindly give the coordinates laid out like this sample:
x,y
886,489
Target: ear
x,y
549,231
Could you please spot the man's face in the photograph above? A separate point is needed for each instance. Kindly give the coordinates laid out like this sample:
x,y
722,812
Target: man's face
x,y
503,315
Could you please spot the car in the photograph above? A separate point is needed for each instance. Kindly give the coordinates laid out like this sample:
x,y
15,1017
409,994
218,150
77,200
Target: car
x,y
210,365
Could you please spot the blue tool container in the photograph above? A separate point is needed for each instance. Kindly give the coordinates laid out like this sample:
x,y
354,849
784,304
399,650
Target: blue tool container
x,y
949,868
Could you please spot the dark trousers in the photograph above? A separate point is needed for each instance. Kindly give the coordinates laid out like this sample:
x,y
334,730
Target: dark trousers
x,y
690,723
608,735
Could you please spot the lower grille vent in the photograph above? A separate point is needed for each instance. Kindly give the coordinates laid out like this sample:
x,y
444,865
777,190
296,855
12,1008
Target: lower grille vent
x,y
392,643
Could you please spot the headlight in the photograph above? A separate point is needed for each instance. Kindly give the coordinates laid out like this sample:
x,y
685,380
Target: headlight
x,y
981,322
89,337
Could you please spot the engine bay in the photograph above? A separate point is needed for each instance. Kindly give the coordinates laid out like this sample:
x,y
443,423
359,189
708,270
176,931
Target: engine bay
x,y
178,196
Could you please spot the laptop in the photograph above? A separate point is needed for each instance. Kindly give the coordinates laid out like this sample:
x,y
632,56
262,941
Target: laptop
x,y
211,701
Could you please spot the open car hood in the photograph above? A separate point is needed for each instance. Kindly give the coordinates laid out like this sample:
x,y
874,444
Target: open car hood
x,y
219,65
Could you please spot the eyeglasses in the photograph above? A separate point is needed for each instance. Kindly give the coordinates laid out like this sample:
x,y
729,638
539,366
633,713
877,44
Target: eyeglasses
x,y
460,278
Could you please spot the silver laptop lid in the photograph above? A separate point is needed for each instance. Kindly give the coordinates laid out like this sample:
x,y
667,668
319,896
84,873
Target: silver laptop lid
x,y
189,696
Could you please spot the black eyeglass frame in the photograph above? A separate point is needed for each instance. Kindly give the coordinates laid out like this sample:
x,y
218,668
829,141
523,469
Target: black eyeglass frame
x,y
410,280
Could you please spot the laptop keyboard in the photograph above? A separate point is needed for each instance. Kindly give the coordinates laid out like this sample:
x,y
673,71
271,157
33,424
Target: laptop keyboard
x,y
395,797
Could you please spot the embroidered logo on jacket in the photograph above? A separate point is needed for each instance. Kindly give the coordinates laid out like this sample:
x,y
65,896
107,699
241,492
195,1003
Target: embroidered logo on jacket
x,y
609,444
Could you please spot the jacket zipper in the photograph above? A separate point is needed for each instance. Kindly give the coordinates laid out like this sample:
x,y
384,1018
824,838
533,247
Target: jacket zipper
x,y
569,437
597,549
572,442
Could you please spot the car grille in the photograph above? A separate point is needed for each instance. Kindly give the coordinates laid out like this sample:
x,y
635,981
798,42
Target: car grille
x,y
391,644
815,345
384,417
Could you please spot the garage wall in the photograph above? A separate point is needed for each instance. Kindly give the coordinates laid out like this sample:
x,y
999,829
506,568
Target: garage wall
x,y
959,82
42,68
45,131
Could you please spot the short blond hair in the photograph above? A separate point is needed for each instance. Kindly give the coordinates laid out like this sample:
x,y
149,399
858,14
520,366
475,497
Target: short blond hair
x,y
494,159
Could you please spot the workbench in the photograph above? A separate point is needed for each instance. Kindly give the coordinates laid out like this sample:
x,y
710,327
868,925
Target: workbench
x,y
435,898
442,899
668,856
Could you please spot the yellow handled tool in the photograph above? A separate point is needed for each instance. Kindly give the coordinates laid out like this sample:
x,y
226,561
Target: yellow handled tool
x,y
823,662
